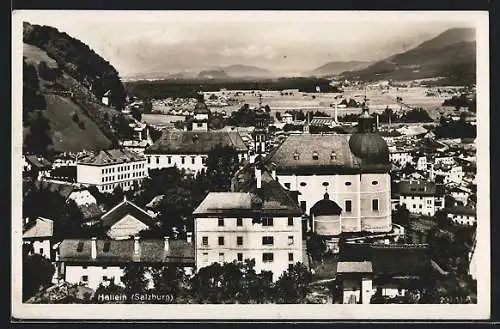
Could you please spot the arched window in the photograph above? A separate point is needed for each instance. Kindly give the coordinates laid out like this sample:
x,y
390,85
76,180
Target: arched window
x,y
303,183
296,155
315,155
333,156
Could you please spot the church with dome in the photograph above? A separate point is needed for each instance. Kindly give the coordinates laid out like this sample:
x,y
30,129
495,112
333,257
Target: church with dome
x,y
341,181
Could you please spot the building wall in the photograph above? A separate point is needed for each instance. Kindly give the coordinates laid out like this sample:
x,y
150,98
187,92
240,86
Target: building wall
x,y
40,247
461,219
95,274
126,227
107,178
189,162
341,188
327,225
252,246
401,157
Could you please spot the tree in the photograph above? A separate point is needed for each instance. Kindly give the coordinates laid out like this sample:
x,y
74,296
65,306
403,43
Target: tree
x,y
134,278
316,247
69,223
278,116
293,285
168,280
37,273
136,113
38,140
401,216
222,162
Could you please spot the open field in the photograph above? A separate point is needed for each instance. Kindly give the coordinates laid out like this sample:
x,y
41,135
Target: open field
x,y
161,119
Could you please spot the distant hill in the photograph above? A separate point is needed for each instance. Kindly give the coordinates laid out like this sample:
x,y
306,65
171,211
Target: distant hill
x,y
239,70
213,74
450,55
63,82
337,67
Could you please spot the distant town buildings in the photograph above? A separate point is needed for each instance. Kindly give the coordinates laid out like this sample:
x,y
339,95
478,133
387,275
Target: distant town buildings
x,y
421,197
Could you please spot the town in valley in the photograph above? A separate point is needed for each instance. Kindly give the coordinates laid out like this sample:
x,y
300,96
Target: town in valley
x,y
235,184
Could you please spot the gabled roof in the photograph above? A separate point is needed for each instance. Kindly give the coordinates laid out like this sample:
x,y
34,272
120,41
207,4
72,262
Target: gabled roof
x,y
418,188
38,161
354,267
122,251
462,210
111,157
123,209
195,142
43,228
246,199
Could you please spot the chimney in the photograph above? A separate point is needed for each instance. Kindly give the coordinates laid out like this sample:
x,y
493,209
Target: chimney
x,y
136,245
336,119
93,250
166,243
377,122
258,176
189,237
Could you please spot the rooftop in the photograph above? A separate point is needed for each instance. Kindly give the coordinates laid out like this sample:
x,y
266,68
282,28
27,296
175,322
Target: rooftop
x,y
43,228
123,209
354,267
38,161
111,157
420,188
195,142
123,251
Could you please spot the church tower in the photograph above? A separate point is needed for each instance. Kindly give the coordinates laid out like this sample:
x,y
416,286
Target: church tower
x,y
201,115
260,133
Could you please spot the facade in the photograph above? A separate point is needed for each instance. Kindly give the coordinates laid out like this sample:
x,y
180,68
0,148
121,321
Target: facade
x,y
92,261
401,157
37,238
109,169
462,215
257,220
189,150
352,169
421,197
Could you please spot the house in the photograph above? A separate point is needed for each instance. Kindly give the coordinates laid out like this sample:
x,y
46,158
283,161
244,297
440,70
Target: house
x,y
323,121
287,118
257,220
462,215
106,98
389,269
460,194
108,169
38,237
401,157
93,261
189,149
352,168
421,197
36,166
125,220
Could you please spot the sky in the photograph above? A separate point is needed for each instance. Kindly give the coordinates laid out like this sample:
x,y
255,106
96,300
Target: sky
x,y
284,42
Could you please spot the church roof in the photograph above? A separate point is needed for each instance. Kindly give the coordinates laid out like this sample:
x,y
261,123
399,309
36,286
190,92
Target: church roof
x,y
326,207
326,153
195,142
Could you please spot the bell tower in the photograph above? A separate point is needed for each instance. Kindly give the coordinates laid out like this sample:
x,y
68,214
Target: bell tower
x,y
260,132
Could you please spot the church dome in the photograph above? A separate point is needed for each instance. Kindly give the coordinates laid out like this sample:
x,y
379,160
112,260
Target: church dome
x,y
326,207
370,147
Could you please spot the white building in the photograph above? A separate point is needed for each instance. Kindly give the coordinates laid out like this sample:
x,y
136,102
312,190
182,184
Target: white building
x,y
421,197
352,169
37,237
422,163
258,220
287,118
111,168
462,215
106,98
401,157
189,149
92,261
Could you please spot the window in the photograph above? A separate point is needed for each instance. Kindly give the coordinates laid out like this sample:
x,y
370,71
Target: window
x,y
203,159
183,160
267,240
157,160
104,278
290,266
296,155
204,240
220,222
290,256
303,206
79,247
199,124
205,257
102,171
239,240
290,240
40,251
315,155
287,185
106,246
84,267
221,241
169,160
333,156
102,180
414,206
325,184
419,206
374,182
267,257
348,205
239,221
375,204
221,257
85,278
239,256
429,201
303,183
290,221
104,267
267,221
193,160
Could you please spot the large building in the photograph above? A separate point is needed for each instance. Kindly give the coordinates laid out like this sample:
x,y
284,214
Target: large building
x,y
257,220
352,169
189,149
111,168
